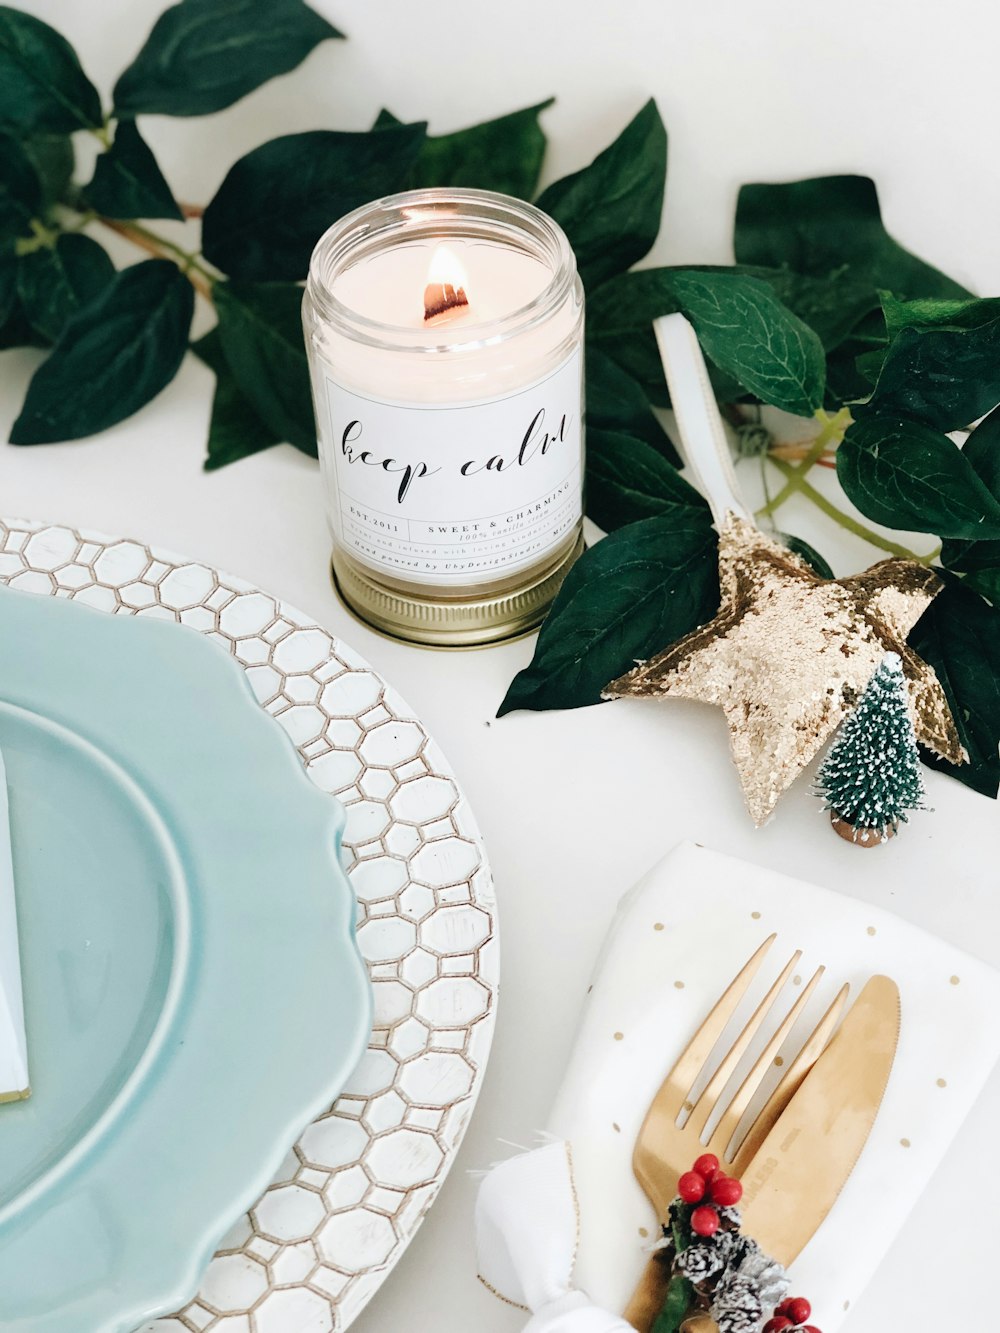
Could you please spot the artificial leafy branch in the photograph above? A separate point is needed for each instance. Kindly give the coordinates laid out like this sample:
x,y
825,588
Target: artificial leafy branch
x,y
824,315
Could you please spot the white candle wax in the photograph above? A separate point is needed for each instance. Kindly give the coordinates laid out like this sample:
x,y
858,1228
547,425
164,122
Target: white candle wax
x,y
451,446
388,289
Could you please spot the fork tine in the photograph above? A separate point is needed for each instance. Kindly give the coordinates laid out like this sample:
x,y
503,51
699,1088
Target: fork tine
x,y
666,1105
733,1114
709,1099
811,1050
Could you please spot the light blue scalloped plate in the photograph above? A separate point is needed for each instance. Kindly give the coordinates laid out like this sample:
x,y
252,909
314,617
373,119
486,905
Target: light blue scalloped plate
x,y
187,946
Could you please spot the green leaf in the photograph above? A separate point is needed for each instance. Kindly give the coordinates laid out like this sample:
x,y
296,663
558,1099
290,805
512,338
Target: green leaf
x,y
127,181
906,475
676,1306
620,318
750,335
986,582
53,159
203,55
20,190
959,635
936,313
833,306
943,362
42,86
15,331
809,554
844,381
980,558
615,401
831,224
628,480
853,367
611,210
114,355
276,202
55,282
235,430
982,449
8,285
626,598
260,327
504,154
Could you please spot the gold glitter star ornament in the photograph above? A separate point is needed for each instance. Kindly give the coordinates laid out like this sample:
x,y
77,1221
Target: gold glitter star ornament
x,y
789,654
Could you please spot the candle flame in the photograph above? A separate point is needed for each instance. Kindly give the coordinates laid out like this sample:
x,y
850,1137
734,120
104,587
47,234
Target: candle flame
x,y
446,283
445,269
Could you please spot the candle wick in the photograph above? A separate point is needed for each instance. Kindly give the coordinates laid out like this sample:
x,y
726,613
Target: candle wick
x,y
440,298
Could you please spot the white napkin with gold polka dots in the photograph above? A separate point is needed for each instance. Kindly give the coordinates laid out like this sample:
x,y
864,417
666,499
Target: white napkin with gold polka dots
x,y
679,936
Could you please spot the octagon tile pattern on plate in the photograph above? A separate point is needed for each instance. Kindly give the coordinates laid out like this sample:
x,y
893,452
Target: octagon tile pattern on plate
x,y
351,1194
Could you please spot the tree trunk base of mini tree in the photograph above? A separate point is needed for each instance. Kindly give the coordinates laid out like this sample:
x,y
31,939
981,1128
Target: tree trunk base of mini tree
x,y
861,837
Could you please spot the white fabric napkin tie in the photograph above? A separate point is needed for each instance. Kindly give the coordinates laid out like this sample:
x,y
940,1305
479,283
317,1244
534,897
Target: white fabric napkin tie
x,y
527,1228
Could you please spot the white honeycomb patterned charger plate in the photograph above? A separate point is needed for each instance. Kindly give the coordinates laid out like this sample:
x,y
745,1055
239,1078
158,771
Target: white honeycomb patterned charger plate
x,y
351,1194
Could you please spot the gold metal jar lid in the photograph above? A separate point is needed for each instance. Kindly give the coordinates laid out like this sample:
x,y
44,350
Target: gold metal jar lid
x,y
438,622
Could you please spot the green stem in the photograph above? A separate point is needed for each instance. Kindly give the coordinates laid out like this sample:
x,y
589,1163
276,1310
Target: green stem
x,y
851,524
201,278
833,429
41,238
189,258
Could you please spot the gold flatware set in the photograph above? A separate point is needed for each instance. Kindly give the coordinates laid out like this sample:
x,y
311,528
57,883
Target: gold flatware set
x,y
795,1149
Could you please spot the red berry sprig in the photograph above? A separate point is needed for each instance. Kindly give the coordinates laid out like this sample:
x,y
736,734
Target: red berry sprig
x,y
705,1189
707,1185
792,1313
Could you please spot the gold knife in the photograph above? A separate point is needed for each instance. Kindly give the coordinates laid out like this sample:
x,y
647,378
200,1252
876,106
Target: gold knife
x,y
803,1164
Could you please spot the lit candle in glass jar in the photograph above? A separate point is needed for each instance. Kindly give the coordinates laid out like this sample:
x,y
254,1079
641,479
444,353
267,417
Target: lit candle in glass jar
x,y
444,331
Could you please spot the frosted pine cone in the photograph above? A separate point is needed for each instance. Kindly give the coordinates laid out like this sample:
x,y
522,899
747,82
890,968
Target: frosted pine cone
x,y
704,1260
766,1273
738,1321
752,1283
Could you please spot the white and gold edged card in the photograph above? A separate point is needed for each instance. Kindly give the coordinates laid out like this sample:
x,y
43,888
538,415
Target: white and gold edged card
x,y
14,1085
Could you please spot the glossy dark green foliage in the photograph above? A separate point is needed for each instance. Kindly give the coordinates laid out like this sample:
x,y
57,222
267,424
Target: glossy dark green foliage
x,y
54,282
113,356
277,201
203,55
128,182
959,635
906,475
235,430
828,226
628,480
611,209
615,401
635,592
260,329
504,154
42,85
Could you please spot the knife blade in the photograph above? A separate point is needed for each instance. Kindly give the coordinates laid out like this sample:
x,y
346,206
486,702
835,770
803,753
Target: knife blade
x,y
13,1043
803,1164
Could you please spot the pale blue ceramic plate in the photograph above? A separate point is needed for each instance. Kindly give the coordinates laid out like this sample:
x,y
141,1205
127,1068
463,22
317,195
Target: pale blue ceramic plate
x,y
187,947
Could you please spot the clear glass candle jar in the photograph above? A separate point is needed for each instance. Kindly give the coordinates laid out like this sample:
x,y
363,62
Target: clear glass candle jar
x,y
444,330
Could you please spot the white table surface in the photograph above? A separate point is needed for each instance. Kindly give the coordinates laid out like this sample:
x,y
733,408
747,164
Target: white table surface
x,y
574,806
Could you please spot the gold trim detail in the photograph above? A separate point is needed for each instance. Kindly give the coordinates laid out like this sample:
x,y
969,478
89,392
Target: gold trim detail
x,y
438,622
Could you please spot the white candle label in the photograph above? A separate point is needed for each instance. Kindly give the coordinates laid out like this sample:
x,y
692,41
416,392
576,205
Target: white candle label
x,y
456,494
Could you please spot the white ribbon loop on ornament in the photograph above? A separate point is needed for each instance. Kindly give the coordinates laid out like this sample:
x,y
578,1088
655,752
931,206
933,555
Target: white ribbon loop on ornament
x,y
527,1226
703,435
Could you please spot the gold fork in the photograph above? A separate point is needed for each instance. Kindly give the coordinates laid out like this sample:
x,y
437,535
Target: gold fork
x,y
665,1149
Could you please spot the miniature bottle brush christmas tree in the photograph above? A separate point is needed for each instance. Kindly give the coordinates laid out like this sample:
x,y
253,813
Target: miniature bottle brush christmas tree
x,y
871,777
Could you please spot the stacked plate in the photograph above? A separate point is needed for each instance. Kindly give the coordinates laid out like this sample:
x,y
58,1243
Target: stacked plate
x,y
194,992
